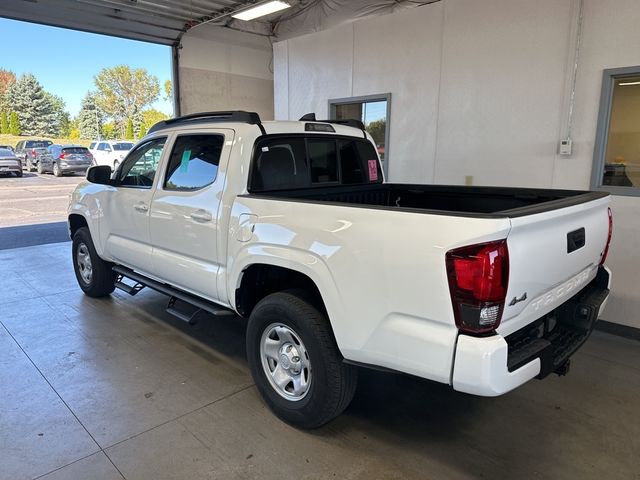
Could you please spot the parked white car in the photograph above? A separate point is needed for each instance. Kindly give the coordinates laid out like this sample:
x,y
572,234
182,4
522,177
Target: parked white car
x,y
110,152
292,225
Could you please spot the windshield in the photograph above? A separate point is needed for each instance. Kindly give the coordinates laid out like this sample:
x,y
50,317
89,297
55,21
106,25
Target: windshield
x,y
38,144
122,146
5,152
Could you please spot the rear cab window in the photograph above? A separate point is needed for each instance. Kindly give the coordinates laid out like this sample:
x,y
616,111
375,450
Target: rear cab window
x,y
284,162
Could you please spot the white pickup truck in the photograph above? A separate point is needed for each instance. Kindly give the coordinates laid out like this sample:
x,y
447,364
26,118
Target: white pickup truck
x,y
292,225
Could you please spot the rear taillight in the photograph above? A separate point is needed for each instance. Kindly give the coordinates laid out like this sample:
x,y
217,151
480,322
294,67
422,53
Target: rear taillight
x,y
606,248
62,155
478,280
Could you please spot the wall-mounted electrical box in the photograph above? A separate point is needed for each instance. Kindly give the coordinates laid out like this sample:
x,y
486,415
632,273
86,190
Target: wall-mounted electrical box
x,y
565,147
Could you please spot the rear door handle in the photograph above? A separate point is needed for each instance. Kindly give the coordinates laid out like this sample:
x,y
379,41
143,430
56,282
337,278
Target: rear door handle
x,y
201,216
141,207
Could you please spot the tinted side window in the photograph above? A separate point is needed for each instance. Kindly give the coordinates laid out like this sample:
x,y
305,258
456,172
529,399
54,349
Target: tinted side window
x,y
139,168
279,164
324,160
194,162
92,146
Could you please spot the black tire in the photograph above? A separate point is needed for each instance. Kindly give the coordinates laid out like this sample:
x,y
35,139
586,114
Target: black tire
x,y
19,174
40,168
56,169
27,165
103,278
333,382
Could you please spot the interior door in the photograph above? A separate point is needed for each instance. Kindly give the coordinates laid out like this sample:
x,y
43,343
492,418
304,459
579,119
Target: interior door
x,y
184,212
126,207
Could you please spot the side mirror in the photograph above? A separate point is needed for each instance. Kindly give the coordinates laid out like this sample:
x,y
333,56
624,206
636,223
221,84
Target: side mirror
x,y
100,174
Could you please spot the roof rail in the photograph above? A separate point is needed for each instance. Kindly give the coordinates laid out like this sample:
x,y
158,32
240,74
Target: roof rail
x,y
311,117
239,116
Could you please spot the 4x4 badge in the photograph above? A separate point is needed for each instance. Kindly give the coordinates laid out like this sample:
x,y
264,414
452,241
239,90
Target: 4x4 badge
x,y
518,300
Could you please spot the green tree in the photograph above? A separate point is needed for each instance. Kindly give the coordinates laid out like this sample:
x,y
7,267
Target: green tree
x,y
152,116
128,132
143,130
34,107
109,131
90,118
168,90
62,122
123,92
14,124
7,78
4,122
377,130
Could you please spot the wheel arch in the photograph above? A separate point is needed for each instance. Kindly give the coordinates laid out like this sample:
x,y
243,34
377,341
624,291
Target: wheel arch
x,y
261,279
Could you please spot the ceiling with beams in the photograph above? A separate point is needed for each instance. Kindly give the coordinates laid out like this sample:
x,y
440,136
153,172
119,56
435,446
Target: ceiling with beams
x,y
158,21
165,21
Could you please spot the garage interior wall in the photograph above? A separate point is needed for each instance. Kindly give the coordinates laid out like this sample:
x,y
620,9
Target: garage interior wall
x,y
221,69
480,89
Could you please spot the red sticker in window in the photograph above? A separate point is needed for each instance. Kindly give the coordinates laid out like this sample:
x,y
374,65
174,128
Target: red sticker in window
x,y
373,170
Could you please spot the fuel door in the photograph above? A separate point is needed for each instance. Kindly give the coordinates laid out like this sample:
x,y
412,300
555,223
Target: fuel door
x,y
246,226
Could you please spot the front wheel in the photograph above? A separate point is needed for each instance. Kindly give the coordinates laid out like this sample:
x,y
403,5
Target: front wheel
x,y
27,165
56,170
95,276
295,362
40,168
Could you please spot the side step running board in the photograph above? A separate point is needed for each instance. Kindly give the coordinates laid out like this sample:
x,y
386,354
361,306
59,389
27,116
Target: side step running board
x,y
174,294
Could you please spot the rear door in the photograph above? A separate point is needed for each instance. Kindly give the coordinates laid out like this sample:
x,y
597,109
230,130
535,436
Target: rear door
x,y
552,256
185,209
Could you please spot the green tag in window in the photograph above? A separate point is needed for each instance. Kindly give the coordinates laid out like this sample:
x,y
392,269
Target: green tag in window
x,y
184,163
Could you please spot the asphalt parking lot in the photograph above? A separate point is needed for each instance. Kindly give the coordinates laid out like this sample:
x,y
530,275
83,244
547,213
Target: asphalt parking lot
x,y
35,199
33,209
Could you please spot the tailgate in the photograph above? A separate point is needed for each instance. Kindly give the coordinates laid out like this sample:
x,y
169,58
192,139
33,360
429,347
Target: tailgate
x,y
552,256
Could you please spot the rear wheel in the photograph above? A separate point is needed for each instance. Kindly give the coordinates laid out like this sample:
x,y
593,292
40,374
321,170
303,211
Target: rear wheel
x,y
40,168
95,276
27,164
56,169
295,362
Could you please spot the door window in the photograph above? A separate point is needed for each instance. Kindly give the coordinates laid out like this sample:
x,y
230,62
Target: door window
x,y
194,162
139,168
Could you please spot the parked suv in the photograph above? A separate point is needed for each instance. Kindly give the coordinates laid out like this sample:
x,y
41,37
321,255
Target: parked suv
x,y
110,152
292,225
61,159
28,150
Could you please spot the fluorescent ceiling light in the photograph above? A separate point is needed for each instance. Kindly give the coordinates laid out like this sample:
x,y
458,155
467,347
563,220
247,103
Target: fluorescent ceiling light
x,y
261,10
624,84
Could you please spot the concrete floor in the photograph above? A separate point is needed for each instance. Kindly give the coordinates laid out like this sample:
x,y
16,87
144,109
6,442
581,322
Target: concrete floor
x,y
115,388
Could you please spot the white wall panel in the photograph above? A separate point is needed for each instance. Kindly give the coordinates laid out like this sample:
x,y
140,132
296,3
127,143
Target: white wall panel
x,y
221,69
320,68
406,63
281,80
502,90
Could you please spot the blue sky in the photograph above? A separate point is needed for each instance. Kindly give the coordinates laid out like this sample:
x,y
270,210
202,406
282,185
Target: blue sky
x,y
65,61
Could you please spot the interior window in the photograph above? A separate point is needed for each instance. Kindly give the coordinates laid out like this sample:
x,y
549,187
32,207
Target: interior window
x,y
280,164
324,160
194,162
139,168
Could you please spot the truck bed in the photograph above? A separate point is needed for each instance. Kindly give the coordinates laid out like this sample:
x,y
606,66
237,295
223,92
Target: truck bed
x,y
445,199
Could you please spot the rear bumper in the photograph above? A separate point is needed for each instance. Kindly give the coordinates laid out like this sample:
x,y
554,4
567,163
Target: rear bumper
x,y
74,168
10,168
491,366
